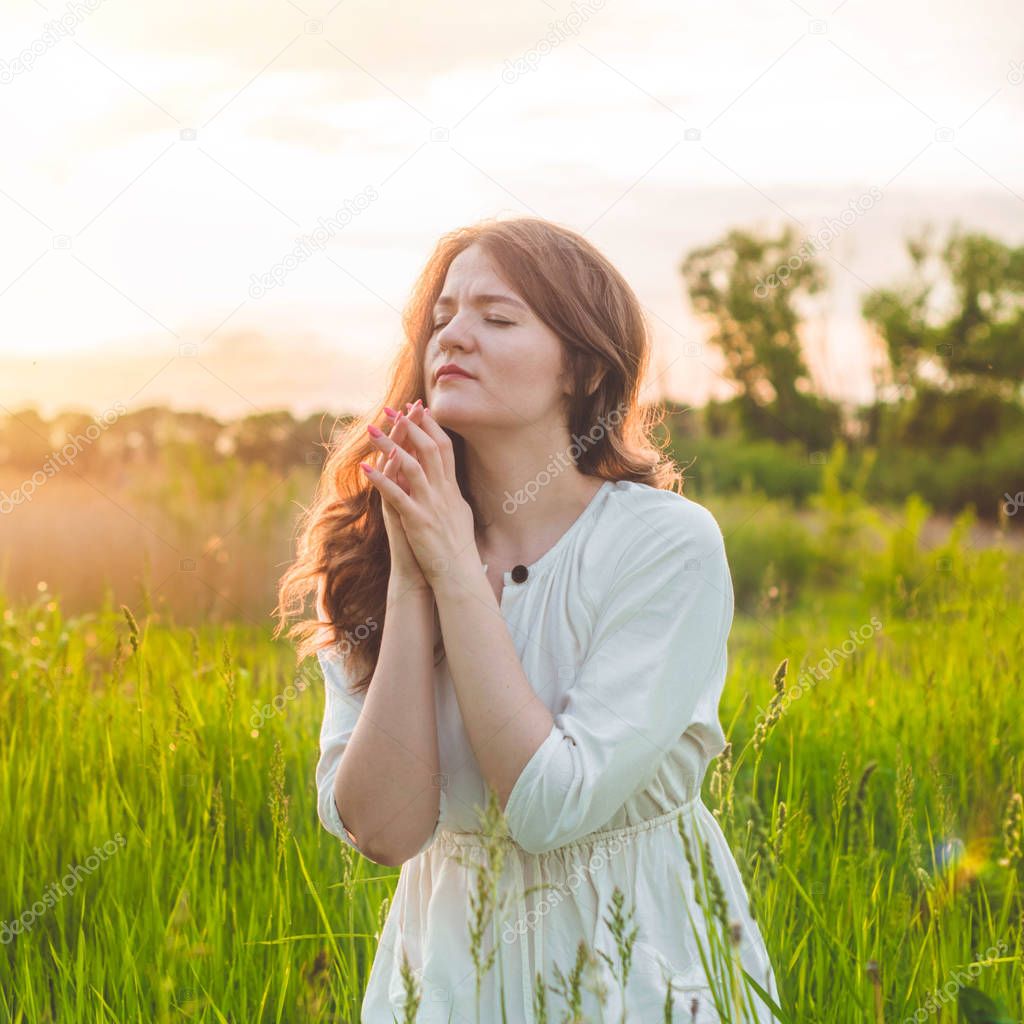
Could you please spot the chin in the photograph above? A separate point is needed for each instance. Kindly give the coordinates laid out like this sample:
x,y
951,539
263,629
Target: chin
x,y
465,417
449,409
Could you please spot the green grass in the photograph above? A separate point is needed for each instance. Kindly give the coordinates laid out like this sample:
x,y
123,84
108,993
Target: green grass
x,y
218,896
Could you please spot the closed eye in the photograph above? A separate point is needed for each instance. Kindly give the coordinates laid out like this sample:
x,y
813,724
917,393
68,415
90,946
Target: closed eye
x,y
490,320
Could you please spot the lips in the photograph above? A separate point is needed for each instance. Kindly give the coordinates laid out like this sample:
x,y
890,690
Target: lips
x,y
450,370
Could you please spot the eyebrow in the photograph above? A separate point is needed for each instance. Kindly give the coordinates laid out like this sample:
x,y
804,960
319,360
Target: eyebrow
x,y
483,300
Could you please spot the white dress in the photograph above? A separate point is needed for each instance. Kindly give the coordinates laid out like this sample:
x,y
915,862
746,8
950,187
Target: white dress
x,y
621,629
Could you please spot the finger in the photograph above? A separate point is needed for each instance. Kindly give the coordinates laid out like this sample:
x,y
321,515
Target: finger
x,y
425,448
384,442
390,466
389,490
399,433
399,439
398,430
433,429
391,470
380,462
419,483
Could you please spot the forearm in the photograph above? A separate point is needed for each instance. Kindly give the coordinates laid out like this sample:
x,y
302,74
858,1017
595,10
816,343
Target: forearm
x,y
385,787
504,719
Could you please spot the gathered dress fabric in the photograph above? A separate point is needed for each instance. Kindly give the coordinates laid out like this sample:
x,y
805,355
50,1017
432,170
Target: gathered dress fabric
x,y
621,628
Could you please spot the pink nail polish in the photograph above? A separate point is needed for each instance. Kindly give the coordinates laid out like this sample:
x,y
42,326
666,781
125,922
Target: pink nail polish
x,y
375,431
389,412
365,468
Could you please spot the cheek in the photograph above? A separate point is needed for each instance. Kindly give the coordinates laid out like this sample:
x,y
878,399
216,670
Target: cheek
x,y
530,391
533,364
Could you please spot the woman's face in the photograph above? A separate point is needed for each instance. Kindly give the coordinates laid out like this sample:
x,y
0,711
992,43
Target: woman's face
x,y
514,358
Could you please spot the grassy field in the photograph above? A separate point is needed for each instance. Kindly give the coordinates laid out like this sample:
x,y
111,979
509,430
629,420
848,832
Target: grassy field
x,y
167,863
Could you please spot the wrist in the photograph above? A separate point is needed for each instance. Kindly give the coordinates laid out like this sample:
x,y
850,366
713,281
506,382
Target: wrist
x,y
412,587
460,577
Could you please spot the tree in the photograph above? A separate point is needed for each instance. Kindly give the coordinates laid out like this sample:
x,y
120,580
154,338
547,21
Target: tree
x,y
955,338
747,287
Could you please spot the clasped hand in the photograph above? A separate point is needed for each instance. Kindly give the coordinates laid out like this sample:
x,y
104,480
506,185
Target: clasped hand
x,y
436,519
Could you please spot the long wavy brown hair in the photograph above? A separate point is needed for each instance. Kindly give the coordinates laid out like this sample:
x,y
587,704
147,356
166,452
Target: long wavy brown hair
x,y
343,554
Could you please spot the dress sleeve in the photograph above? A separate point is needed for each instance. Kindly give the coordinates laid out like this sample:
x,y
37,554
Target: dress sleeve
x,y
341,711
658,647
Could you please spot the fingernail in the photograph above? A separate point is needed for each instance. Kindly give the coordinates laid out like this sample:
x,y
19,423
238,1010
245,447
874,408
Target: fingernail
x,y
365,468
375,431
419,402
388,411
426,410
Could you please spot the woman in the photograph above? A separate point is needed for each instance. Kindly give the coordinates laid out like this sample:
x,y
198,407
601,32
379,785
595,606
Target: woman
x,y
519,609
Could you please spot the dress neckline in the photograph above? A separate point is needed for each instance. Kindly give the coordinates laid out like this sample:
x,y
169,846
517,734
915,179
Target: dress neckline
x,y
541,564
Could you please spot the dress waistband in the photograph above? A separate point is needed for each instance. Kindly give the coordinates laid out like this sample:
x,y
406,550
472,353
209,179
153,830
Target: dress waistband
x,y
591,839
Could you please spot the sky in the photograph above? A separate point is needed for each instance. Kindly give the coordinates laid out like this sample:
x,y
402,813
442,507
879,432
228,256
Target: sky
x,y
163,160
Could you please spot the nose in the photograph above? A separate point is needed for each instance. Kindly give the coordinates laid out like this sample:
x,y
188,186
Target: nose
x,y
450,335
455,336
